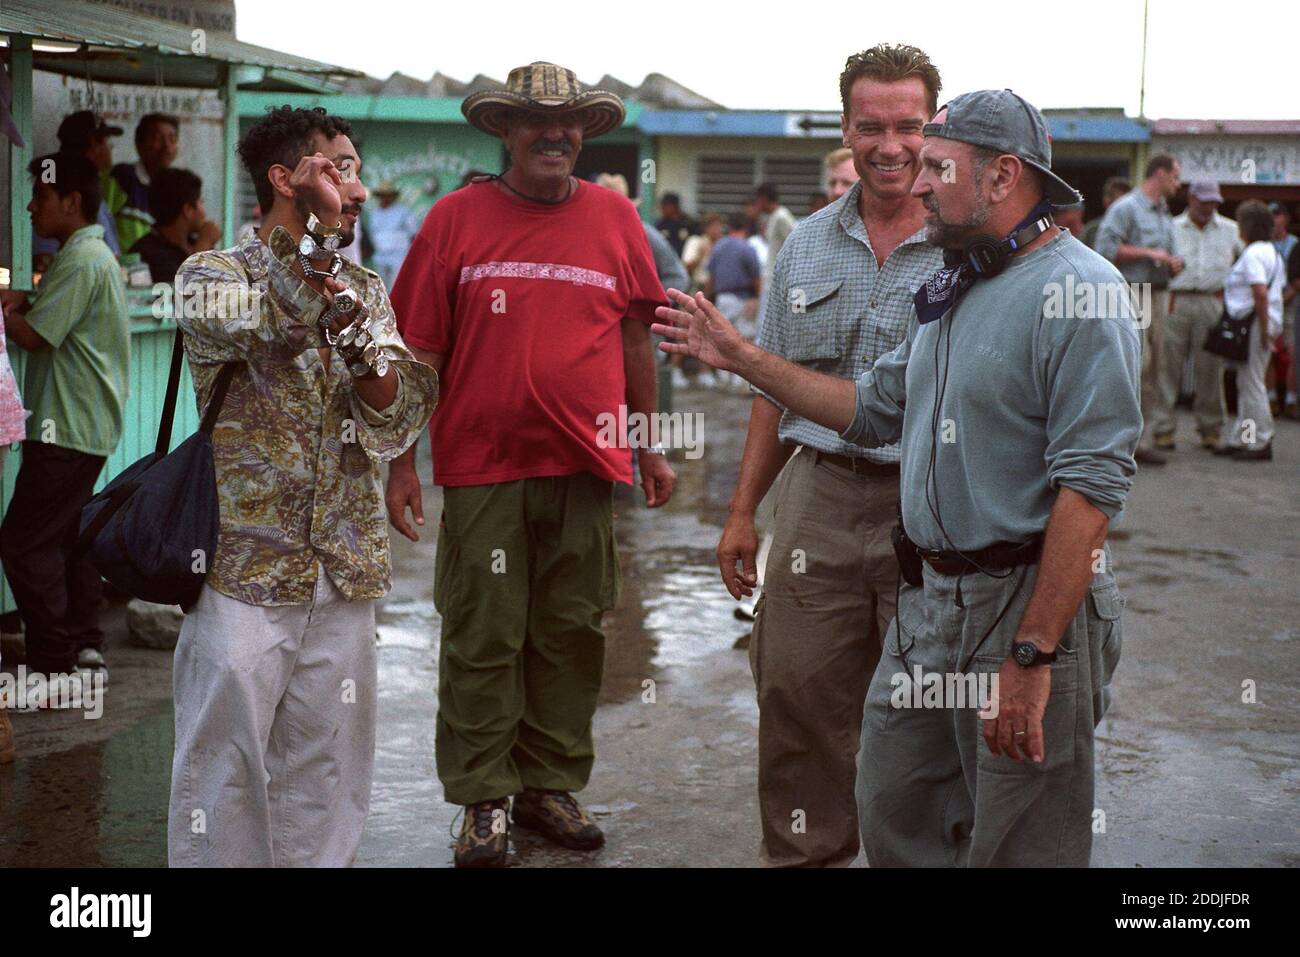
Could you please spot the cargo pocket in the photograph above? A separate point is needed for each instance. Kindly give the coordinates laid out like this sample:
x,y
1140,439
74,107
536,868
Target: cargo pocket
x,y
1105,640
612,577
1059,719
447,572
815,338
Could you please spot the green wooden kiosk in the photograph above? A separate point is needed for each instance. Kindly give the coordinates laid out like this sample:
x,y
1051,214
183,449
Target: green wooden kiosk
x,y
105,44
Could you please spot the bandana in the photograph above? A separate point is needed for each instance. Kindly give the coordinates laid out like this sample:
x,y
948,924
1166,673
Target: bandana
x,y
942,290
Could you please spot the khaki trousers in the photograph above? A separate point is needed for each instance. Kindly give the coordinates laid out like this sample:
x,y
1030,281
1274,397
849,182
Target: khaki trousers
x,y
275,732
827,601
1153,340
1193,315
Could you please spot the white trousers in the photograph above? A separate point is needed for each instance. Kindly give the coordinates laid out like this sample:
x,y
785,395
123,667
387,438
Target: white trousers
x,y
275,732
1254,417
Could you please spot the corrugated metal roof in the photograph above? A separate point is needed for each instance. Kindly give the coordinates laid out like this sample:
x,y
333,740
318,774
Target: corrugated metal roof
x,y
113,35
1084,127
1173,127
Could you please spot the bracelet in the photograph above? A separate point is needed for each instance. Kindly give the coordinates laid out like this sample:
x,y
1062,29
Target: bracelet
x,y
346,303
336,263
368,363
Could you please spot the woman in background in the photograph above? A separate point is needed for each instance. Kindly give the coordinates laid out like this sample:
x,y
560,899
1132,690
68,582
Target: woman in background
x,y
1254,287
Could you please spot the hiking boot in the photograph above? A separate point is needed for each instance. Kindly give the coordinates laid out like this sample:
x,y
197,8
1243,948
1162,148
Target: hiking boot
x,y
7,751
1210,440
1165,442
484,837
558,817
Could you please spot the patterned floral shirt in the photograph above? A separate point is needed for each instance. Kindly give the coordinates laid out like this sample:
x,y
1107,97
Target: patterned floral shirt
x,y
297,452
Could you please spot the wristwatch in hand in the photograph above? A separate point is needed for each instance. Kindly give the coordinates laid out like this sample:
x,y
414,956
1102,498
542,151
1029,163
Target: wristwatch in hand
x,y
320,241
1027,654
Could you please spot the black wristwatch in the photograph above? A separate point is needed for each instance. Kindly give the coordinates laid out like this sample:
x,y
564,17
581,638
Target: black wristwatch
x,y
1027,654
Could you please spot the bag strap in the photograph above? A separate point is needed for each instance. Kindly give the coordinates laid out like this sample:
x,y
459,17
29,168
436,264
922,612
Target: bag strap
x,y
218,398
169,403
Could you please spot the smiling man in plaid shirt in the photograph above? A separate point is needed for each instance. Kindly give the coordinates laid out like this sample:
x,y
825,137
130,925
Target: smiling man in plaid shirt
x,y
841,296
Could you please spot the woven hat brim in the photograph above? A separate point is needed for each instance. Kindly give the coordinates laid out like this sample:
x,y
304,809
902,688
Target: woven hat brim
x,y
487,110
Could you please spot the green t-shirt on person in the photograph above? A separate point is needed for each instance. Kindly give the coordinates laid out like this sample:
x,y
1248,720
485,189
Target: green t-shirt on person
x,y
77,387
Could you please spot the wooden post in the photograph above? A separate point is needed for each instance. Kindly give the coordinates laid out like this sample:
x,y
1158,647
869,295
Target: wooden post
x,y
229,142
20,224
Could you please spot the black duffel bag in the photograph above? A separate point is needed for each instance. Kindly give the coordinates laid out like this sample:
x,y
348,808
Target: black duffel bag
x,y
152,531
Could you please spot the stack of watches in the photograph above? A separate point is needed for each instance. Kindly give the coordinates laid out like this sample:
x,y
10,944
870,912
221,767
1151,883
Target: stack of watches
x,y
355,342
319,244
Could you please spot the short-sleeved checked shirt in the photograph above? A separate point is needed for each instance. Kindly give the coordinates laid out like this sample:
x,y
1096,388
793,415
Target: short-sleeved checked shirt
x,y
832,309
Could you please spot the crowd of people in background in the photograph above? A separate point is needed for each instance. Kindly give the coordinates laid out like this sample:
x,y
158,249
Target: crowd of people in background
x,y
1196,264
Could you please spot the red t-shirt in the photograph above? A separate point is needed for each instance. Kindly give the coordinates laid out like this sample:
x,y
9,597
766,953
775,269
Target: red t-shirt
x,y
525,302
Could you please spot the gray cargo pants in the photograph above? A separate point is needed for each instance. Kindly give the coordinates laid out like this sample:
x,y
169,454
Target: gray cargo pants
x,y
929,791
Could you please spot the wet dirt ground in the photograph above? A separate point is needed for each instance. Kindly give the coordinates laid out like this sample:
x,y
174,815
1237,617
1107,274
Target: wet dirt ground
x,y
1208,556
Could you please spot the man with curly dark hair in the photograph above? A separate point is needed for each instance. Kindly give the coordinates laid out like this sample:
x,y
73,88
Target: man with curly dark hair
x,y
275,667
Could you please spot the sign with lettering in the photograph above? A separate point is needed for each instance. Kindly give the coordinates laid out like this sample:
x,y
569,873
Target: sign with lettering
x,y
1273,160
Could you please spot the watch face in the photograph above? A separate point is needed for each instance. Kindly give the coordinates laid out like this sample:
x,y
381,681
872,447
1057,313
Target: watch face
x,y
1026,653
345,301
306,245
332,243
381,365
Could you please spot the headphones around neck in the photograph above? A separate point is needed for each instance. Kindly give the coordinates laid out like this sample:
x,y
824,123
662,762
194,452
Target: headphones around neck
x,y
988,257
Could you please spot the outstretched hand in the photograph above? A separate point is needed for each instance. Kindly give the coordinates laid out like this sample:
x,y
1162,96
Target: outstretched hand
x,y
698,330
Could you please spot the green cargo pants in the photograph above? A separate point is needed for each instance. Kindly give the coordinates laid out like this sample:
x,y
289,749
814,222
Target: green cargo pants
x,y
525,570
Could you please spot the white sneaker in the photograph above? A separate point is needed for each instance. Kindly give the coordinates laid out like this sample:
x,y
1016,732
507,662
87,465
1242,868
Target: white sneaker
x,y
90,661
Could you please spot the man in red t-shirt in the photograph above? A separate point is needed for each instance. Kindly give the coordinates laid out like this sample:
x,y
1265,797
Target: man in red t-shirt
x,y
532,294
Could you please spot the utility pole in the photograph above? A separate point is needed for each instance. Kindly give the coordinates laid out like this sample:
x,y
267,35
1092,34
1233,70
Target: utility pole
x,y
1142,87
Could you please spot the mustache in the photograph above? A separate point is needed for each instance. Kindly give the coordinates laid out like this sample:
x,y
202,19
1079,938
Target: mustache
x,y
353,209
541,145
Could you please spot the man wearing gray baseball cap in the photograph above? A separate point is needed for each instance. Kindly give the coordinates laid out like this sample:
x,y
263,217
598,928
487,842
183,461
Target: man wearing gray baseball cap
x,y
1018,420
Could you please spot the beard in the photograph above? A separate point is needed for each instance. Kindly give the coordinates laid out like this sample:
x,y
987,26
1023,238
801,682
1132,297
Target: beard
x,y
955,235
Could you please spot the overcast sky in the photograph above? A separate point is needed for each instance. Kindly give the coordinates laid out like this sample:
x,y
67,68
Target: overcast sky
x,y
1204,60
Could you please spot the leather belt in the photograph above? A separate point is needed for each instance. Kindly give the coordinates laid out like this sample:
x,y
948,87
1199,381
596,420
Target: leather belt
x,y
855,465
1001,555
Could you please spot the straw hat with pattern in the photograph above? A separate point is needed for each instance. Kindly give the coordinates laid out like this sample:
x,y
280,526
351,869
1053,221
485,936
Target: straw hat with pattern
x,y
543,88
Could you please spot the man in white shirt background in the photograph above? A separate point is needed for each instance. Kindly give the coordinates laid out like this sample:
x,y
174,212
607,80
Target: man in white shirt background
x,y
1208,244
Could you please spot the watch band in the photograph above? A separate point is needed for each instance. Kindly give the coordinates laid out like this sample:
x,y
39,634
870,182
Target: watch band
x,y
1027,654
332,270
